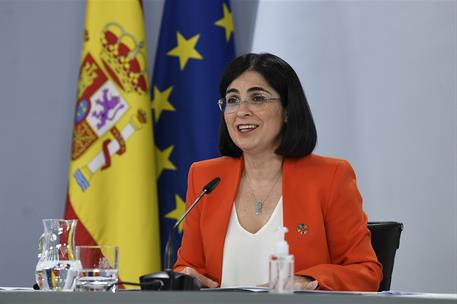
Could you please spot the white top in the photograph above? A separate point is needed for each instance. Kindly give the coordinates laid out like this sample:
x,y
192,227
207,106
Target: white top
x,y
246,255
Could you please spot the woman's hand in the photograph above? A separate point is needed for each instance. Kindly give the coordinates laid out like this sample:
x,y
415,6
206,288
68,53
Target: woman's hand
x,y
204,281
300,282
305,283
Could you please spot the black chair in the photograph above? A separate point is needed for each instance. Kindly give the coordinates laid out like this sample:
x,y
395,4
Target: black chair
x,y
385,238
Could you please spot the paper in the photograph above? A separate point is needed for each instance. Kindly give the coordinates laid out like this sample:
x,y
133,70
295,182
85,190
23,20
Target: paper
x,y
451,296
238,288
3,288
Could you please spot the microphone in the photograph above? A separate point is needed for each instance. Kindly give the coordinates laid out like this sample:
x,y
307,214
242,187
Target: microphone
x,y
168,279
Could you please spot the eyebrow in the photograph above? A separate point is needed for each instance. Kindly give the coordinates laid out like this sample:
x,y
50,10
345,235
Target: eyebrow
x,y
253,89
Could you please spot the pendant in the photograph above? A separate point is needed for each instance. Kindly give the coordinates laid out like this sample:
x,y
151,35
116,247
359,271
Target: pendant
x,y
258,207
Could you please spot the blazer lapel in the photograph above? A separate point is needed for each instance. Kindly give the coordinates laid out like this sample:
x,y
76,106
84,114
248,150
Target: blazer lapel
x,y
221,207
292,209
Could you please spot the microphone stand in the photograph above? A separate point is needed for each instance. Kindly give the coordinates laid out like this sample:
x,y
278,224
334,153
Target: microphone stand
x,y
168,279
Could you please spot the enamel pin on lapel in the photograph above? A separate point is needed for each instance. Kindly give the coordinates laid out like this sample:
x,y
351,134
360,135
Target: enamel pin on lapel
x,y
302,229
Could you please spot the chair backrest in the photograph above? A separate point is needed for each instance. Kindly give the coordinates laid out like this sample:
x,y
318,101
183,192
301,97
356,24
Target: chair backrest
x,y
385,238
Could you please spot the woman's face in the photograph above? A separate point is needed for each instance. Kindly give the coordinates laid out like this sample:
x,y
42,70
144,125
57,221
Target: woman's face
x,y
254,128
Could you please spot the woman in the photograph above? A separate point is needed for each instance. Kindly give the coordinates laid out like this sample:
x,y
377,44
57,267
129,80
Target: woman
x,y
270,178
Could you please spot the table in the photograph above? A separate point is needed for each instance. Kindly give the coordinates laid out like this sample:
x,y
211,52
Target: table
x,y
169,297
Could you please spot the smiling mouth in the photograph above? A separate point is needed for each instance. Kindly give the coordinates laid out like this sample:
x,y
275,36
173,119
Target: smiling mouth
x,y
247,127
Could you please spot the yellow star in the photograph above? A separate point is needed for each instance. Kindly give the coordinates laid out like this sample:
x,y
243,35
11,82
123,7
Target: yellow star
x,y
177,212
163,160
226,22
185,49
160,102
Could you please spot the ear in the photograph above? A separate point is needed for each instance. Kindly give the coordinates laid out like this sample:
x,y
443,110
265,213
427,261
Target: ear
x,y
285,116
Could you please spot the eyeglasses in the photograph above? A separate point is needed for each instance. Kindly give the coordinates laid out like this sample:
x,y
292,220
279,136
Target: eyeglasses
x,y
232,104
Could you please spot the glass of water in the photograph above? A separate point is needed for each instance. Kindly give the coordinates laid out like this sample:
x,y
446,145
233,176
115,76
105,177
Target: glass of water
x,y
99,268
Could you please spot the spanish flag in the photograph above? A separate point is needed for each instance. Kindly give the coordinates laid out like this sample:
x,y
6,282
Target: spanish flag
x,y
112,178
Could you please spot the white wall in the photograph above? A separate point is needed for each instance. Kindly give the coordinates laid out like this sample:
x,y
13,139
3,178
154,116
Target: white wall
x,y
381,78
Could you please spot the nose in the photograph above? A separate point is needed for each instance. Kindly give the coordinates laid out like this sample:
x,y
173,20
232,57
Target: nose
x,y
243,109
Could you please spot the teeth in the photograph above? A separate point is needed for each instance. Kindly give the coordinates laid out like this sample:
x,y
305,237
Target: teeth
x,y
245,127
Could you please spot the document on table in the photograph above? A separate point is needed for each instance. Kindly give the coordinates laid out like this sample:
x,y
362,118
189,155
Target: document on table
x,y
238,288
362,293
3,288
420,294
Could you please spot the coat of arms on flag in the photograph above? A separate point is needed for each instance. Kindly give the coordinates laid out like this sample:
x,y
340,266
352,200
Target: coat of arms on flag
x,y
101,105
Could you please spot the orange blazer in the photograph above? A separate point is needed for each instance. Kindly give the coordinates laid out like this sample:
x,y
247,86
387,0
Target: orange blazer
x,y
328,232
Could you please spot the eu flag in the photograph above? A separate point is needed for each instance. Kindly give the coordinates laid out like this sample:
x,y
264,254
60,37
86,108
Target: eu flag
x,y
196,43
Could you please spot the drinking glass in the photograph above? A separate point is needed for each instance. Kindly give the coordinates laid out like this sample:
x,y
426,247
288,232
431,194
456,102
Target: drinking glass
x,y
99,268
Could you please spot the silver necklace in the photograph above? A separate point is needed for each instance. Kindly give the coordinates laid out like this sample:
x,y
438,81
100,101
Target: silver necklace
x,y
259,203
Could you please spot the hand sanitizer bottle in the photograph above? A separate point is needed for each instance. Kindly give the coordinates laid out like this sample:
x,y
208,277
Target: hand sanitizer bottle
x,y
281,272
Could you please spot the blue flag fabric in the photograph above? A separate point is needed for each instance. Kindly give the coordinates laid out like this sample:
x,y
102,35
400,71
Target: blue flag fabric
x,y
195,44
